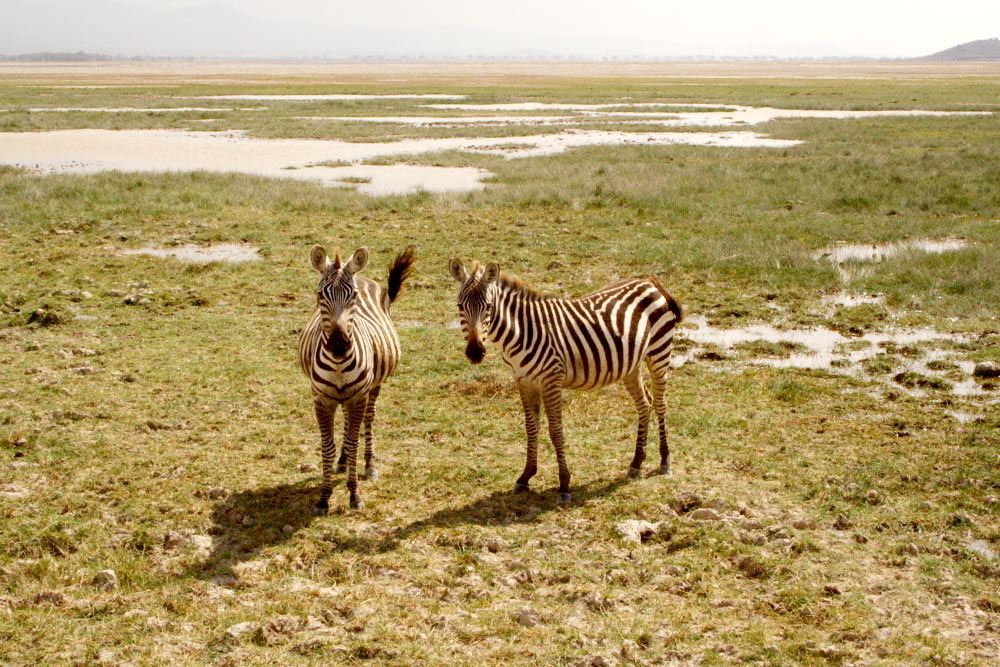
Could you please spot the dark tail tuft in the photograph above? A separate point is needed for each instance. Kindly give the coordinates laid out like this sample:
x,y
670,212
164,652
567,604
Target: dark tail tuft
x,y
672,304
399,271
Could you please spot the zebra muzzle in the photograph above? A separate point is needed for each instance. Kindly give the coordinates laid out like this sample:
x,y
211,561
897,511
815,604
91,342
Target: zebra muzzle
x,y
475,351
338,343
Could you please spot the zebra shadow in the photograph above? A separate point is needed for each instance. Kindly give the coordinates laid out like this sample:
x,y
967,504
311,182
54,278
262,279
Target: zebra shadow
x,y
248,521
500,508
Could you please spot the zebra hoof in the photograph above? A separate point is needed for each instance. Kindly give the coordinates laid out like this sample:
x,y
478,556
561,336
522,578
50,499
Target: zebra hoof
x,y
340,469
633,473
321,508
564,499
521,487
357,504
371,474
664,470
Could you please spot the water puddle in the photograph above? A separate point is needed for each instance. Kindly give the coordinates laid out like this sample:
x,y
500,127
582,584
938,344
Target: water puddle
x,y
427,121
876,252
344,97
720,115
224,252
91,151
923,353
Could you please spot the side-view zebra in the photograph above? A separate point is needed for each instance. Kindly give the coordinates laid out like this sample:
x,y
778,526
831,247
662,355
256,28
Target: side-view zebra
x,y
348,349
551,344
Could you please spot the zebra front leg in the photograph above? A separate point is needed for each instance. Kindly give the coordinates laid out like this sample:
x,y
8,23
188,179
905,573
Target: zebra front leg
x,y
328,450
371,473
636,389
531,399
553,413
355,415
342,461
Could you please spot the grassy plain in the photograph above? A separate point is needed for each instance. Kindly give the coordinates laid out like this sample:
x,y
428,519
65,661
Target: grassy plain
x,y
858,516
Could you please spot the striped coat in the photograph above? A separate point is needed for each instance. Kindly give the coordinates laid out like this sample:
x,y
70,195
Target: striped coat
x,y
347,350
552,344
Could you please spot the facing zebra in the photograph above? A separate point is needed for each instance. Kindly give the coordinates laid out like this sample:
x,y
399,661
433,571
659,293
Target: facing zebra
x,y
348,348
551,344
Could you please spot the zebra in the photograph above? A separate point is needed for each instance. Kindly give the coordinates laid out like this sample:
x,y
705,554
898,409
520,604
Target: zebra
x,y
347,349
552,343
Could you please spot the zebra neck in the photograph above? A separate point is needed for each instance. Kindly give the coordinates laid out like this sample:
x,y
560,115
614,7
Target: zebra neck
x,y
513,310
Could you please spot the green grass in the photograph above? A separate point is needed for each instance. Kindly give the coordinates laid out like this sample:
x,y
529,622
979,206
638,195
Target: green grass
x,y
120,423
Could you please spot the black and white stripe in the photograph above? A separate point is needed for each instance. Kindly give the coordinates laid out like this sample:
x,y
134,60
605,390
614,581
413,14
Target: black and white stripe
x,y
551,344
347,349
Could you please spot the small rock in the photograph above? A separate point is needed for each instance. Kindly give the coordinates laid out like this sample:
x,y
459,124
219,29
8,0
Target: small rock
x,y
636,531
803,524
778,533
239,632
831,589
827,651
860,539
54,598
496,544
276,630
115,293
705,514
288,529
751,567
926,506
842,522
217,492
990,500
675,570
528,618
595,661
247,521
987,369
106,579
873,497
685,502
177,539
981,548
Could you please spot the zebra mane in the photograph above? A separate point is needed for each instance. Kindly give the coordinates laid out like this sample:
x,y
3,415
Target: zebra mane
x,y
513,282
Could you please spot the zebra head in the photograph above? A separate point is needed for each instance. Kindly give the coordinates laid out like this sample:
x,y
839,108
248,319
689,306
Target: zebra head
x,y
337,296
475,303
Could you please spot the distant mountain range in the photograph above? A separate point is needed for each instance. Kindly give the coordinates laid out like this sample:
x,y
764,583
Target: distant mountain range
x,y
979,50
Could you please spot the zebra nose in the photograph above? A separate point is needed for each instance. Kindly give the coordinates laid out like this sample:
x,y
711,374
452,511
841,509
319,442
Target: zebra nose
x,y
475,351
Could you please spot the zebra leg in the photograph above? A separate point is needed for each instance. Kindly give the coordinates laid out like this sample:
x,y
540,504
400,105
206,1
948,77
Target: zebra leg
x,y
328,449
552,397
636,389
342,461
371,472
355,415
531,399
659,377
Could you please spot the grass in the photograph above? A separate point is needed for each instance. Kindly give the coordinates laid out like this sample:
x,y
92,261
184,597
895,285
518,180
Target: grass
x,y
848,504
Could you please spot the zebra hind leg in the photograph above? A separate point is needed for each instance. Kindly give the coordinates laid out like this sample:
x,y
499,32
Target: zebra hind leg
x,y
371,472
659,378
328,450
637,390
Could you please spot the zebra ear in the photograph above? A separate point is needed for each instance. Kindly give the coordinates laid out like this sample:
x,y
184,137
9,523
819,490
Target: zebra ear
x,y
318,258
358,262
457,270
491,273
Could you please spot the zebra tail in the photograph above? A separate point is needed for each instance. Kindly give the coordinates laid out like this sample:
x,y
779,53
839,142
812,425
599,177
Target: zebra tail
x,y
399,271
672,304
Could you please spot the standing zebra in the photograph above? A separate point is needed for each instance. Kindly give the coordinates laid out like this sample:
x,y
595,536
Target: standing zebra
x,y
553,344
348,348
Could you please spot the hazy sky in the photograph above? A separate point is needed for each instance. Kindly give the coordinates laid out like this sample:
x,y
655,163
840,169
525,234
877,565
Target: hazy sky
x,y
720,27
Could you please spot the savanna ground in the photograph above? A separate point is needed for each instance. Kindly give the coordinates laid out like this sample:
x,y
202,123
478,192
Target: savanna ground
x,y
172,440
